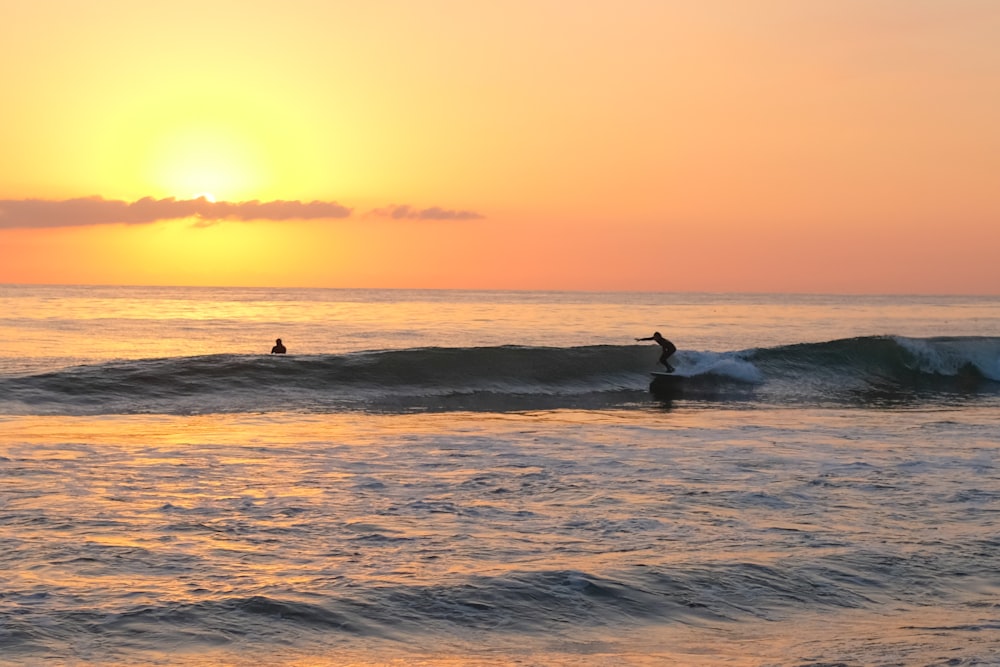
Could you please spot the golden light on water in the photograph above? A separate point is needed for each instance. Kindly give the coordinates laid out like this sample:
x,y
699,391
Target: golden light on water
x,y
214,470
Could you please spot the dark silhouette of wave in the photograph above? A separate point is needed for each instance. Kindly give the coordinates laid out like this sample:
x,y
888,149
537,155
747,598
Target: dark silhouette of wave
x,y
870,370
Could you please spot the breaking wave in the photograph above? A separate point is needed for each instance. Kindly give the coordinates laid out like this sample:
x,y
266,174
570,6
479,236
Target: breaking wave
x,y
878,369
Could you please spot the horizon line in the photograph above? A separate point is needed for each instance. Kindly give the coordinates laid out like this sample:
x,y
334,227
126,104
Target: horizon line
x,y
508,289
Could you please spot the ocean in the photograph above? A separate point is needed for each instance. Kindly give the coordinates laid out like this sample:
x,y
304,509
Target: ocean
x,y
445,478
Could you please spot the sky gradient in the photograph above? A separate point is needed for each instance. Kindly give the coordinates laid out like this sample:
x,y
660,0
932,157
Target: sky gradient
x,y
777,146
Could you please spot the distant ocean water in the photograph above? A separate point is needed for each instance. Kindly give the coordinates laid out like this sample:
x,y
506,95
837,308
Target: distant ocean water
x,y
489,478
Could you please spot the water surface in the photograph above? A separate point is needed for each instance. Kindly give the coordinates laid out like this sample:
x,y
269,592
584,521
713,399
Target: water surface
x,y
447,478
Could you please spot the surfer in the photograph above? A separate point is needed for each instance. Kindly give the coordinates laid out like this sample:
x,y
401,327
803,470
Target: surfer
x,y
668,349
278,347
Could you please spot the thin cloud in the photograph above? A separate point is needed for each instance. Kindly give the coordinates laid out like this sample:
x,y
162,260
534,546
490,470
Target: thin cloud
x,y
405,212
43,213
82,211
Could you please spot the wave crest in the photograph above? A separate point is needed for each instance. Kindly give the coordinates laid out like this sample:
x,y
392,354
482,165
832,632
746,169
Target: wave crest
x,y
508,377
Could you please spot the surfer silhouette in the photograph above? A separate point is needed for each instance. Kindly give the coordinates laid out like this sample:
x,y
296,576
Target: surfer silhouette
x,y
278,347
668,349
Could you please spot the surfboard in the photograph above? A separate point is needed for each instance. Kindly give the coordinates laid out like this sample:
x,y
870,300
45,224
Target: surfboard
x,y
673,378
663,383
696,385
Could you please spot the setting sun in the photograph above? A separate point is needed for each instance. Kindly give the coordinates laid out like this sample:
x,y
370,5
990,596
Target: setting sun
x,y
205,160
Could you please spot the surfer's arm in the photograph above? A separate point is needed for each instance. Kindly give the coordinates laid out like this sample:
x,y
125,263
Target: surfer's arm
x,y
641,339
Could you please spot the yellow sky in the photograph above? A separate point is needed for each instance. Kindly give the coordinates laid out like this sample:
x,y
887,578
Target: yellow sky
x,y
781,145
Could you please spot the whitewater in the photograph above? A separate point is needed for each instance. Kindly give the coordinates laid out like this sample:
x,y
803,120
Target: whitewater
x,y
489,478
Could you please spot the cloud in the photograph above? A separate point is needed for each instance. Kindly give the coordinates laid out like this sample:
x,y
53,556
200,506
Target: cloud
x,y
405,212
271,210
276,210
40,213
45,213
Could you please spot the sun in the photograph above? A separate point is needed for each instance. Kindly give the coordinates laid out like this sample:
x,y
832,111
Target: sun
x,y
212,161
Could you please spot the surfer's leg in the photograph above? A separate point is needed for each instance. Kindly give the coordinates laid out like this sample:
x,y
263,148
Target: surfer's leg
x,y
666,364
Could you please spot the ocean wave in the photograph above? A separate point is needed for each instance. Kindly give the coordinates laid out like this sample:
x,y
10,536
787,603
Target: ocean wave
x,y
551,602
882,370
863,370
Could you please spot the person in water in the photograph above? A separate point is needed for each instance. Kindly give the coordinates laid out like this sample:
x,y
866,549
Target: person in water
x,y
668,349
278,347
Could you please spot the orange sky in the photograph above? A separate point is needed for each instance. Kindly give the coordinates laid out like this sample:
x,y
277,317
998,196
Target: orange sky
x,y
848,146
